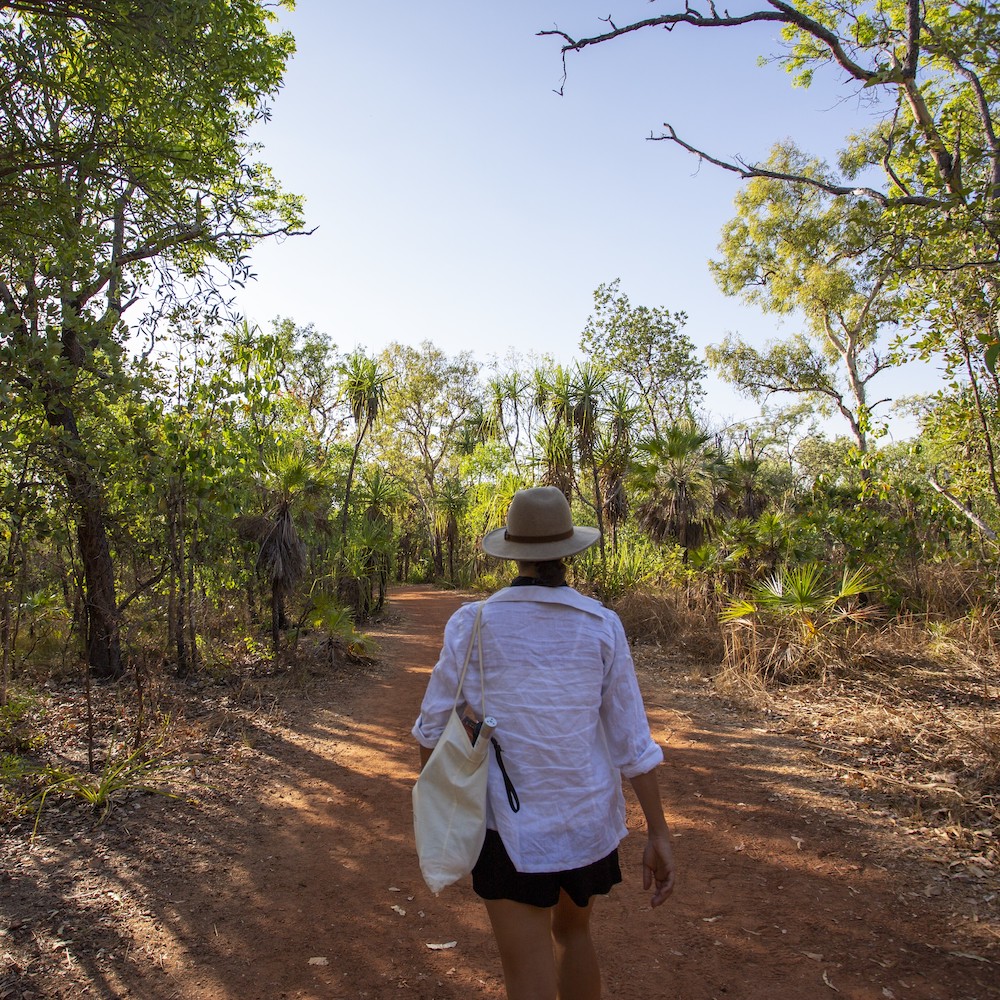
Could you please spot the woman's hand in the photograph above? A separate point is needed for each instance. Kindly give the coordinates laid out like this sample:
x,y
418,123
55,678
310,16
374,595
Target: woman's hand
x,y
658,867
657,858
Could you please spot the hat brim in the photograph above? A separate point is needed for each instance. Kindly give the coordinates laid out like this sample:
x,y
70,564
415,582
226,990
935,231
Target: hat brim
x,y
494,544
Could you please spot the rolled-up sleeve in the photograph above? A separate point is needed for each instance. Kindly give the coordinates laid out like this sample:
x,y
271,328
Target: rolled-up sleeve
x,y
630,743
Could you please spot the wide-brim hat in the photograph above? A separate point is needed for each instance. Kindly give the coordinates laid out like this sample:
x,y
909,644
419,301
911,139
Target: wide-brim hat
x,y
539,527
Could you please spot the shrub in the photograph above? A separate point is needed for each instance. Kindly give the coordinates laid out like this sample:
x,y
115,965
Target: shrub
x,y
795,624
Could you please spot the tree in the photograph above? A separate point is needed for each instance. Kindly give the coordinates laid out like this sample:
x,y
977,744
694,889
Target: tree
x,y
364,386
574,399
679,473
296,483
133,177
649,348
427,403
614,455
794,250
930,161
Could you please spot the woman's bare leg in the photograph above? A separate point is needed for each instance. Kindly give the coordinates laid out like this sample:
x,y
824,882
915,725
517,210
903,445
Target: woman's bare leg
x,y
577,973
524,937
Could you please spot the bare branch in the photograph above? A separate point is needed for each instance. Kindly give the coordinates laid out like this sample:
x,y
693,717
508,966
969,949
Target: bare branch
x,y
783,13
747,171
959,506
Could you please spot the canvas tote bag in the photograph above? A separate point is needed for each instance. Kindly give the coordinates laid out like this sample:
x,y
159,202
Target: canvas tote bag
x,y
449,798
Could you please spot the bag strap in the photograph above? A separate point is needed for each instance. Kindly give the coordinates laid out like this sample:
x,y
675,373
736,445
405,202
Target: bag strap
x,y
476,639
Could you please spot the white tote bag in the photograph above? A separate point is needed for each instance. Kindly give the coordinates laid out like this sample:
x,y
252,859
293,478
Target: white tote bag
x,y
449,798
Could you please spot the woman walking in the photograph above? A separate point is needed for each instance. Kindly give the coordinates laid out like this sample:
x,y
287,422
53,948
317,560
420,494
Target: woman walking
x,y
561,685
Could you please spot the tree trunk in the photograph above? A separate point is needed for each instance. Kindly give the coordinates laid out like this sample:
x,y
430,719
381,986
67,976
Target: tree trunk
x,y
102,638
189,621
177,585
6,644
279,620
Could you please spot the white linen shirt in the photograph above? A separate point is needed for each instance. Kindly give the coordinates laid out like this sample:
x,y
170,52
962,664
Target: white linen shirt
x,y
561,684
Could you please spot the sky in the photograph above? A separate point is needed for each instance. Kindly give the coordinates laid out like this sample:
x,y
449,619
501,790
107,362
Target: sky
x,y
458,198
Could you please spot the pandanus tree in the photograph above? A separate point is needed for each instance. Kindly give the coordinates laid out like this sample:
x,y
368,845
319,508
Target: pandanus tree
x,y
613,457
450,504
365,382
555,458
507,394
381,495
300,487
586,387
573,399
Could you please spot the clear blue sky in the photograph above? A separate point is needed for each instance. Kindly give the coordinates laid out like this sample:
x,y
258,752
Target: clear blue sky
x,y
459,199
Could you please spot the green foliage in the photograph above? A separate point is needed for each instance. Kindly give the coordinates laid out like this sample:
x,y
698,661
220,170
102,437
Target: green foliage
x,y
337,621
791,624
636,564
795,249
648,347
17,732
124,772
15,787
100,214
678,475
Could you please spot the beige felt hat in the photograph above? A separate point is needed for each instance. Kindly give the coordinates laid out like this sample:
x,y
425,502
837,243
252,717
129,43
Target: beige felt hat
x,y
539,527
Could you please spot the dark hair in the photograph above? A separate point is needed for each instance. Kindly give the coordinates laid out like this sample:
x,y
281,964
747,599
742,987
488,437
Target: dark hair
x,y
550,572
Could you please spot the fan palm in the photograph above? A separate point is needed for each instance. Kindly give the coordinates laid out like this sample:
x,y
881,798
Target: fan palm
x,y
679,476
788,621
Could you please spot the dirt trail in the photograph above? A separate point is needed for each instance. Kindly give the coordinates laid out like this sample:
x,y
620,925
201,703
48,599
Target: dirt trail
x,y
309,887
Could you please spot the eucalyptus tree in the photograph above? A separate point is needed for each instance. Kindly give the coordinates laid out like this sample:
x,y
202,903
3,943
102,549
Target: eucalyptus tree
x,y
828,263
926,155
507,410
960,422
648,347
134,176
311,371
427,403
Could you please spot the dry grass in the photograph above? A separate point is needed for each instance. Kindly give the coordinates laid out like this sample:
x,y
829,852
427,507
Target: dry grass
x,y
665,618
906,715
924,738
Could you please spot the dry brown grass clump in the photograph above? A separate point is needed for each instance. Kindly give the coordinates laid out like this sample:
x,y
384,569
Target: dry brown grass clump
x,y
665,618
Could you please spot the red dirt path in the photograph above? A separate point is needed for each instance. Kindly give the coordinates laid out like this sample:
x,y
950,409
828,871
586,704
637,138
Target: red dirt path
x,y
308,887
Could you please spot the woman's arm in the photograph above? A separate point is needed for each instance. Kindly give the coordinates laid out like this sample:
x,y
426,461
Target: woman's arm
x,y
658,857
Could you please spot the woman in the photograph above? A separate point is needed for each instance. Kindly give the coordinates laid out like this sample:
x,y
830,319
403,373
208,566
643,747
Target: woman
x,y
561,685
